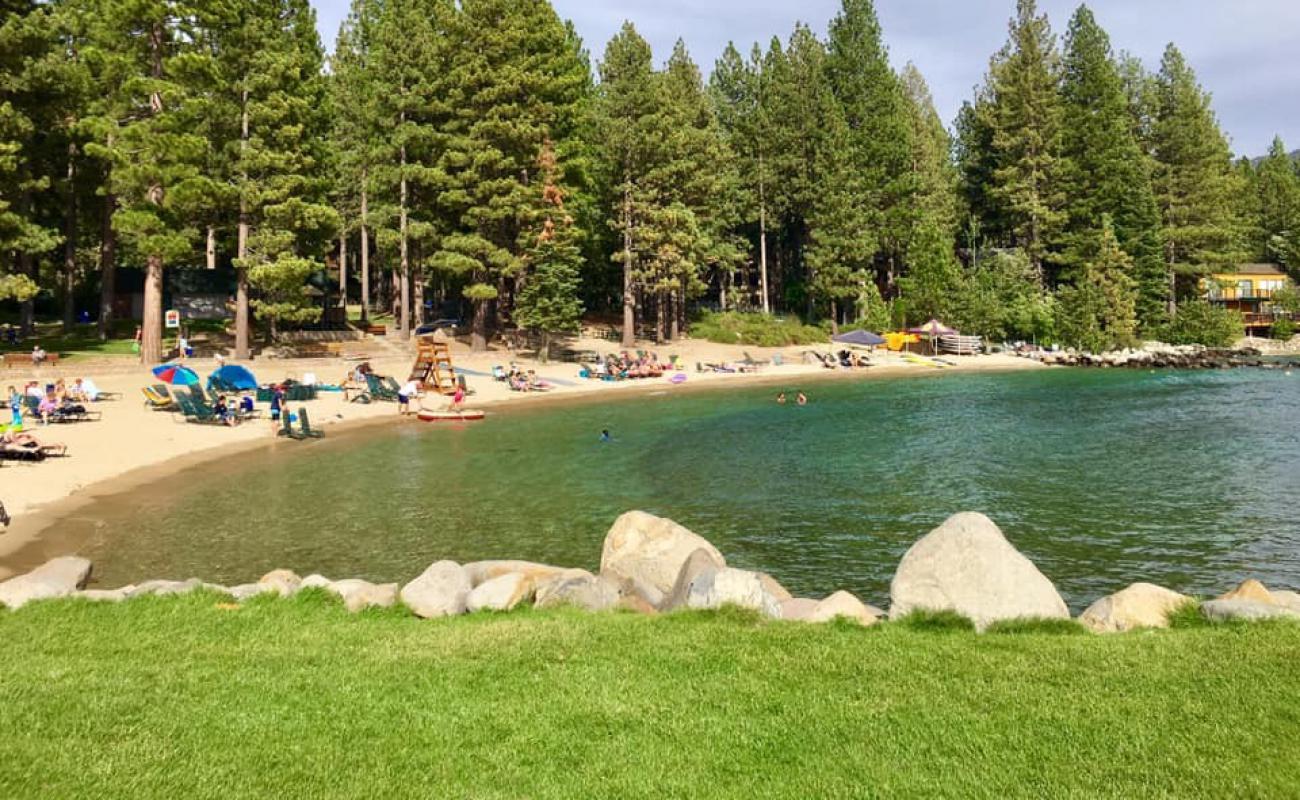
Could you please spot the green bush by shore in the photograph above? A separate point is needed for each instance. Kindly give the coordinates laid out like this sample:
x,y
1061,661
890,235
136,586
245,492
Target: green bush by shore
x,y
194,696
759,330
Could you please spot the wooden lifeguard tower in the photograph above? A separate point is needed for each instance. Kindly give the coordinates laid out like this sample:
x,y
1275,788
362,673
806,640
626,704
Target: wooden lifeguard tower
x,y
432,368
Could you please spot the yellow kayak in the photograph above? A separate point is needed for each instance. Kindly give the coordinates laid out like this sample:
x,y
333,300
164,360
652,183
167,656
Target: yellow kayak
x,y
912,358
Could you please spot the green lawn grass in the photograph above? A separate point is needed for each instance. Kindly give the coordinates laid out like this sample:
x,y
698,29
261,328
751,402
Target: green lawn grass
x,y
180,697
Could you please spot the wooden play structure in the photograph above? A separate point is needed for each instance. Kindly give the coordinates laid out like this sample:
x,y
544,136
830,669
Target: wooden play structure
x,y
432,368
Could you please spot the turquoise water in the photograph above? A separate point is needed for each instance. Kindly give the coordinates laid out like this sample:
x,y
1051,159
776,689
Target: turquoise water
x,y
1189,480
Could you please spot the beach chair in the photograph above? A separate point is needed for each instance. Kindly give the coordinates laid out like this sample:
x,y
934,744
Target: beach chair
x,y
158,402
10,452
305,427
286,427
201,414
379,391
751,361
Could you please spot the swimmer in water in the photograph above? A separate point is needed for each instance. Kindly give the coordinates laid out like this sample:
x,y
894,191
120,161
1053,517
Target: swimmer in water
x,y
802,399
605,437
780,398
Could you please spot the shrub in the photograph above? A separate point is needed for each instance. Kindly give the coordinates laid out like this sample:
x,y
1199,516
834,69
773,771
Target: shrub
x,y
1032,625
1199,322
935,621
1283,329
759,330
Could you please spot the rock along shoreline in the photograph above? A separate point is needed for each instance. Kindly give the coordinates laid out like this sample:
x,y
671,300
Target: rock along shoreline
x,y
652,565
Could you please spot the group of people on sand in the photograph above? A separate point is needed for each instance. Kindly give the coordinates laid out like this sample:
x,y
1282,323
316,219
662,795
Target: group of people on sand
x,y
51,400
521,380
625,366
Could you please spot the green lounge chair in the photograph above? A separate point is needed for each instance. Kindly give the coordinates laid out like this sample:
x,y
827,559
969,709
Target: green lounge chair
x,y
305,426
378,390
286,427
194,412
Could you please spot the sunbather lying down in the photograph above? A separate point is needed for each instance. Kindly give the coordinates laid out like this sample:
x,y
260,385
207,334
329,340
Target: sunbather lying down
x,y
26,441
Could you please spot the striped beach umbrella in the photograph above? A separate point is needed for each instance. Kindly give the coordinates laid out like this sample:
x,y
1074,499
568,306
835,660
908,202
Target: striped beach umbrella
x,y
176,375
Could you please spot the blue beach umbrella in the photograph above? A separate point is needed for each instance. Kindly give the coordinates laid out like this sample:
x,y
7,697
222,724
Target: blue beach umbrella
x,y
176,375
235,376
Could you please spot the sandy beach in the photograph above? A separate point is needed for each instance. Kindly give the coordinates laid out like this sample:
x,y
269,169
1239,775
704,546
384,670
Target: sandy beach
x,y
134,448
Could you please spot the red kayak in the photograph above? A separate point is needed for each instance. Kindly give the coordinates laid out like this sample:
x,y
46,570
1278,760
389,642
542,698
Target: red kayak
x,y
451,416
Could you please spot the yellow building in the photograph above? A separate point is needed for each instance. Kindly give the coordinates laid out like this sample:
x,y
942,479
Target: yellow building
x,y
1249,290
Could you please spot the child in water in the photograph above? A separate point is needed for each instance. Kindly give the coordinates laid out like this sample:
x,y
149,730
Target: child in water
x,y
605,437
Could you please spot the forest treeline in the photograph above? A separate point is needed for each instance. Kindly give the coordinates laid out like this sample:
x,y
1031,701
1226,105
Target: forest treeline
x,y
472,155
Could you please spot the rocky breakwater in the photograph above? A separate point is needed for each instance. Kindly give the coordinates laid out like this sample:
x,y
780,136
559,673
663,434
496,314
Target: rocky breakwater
x,y
1161,356
651,565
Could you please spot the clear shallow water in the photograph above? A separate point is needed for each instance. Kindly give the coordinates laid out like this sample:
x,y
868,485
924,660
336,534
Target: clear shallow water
x,y
1190,480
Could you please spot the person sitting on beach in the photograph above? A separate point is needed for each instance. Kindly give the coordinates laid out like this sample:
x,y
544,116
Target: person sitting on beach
x,y
535,384
224,413
246,405
77,392
39,356
19,440
47,408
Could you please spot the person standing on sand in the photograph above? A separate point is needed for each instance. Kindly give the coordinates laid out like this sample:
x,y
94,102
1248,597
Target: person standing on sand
x,y
405,395
15,409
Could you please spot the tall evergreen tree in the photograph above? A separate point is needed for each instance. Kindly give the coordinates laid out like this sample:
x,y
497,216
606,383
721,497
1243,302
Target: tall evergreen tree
x,y
627,112
548,299
879,127
1277,199
1103,171
1025,131
155,153
1099,312
1194,181
519,79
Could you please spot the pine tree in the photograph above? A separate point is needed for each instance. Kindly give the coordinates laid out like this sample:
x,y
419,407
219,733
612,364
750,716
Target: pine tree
x,y
1277,193
154,151
517,80
739,90
355,132
1025,131
1194,182
626,109
930,169
876,114
1103,169
269,92
24,40
1099,312
548,298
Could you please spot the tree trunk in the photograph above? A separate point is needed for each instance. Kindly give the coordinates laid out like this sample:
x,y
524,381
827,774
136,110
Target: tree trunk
x,y
242,318
478,327
659,317
835,318
417,302
404,317
70,245
365,251
343,269
674,330
212,247
27,309
151,344
107,268
762,241
629,298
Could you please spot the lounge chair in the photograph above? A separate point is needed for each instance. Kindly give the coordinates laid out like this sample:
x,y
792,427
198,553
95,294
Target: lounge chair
x,y
379,391
753,361
286,427
158,402
305,426
11,452
198,413
73,413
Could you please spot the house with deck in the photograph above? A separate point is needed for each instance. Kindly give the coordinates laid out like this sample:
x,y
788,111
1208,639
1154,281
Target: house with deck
x,y
1249,289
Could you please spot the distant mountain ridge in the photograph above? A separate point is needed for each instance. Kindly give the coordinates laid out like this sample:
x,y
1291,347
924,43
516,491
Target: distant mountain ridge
x,y
1295,156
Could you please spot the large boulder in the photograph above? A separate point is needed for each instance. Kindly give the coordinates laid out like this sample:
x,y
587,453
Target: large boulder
x,y
588,592
245,591
166,588
358,594
1286,599
501,593
699,563
843,604
105,595
283,582
483,571
798,609
1142,605
966,565
1245,611
440,591
651,549
734,587
57,577
1250,590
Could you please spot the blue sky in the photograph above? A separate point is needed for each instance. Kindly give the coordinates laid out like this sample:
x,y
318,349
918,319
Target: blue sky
x,y
1247,52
